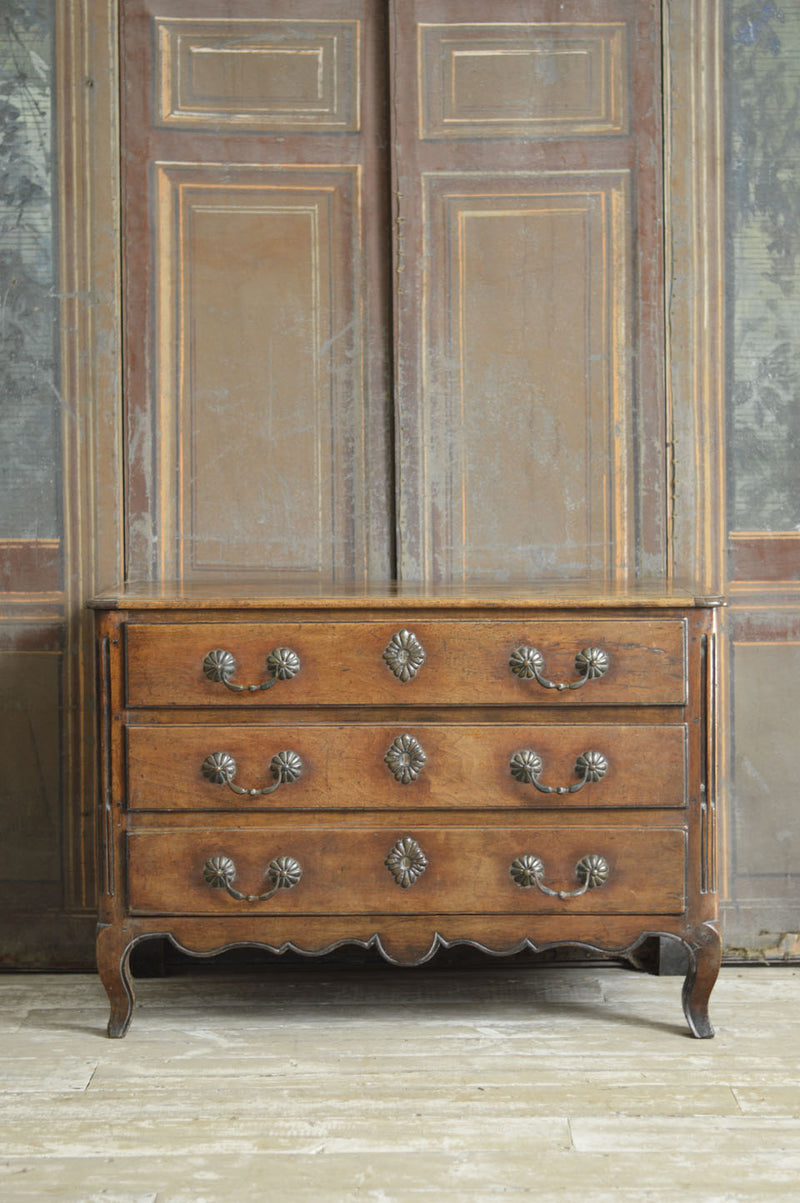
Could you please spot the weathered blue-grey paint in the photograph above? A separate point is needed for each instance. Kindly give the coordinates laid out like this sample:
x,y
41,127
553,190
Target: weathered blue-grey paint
x,y
30,471
762,110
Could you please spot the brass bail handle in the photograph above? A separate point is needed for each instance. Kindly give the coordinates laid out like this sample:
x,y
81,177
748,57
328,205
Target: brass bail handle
x,y
527,663
526,766
219,665
219,872
528,870
220,769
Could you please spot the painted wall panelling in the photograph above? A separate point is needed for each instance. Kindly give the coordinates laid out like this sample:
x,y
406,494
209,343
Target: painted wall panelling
x,y
47,573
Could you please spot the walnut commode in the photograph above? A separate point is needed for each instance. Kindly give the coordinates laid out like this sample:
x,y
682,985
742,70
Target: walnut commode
x,y
313,766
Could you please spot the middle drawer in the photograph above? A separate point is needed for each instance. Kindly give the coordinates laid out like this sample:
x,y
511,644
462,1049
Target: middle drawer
x,y
390,766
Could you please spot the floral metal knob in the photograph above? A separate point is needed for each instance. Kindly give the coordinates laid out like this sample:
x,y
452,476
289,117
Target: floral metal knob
x,y
593,766
219,665
286,767
592,663
284,872
219,872
526,767
525,870
593,870
405,759
527,663
282,664
528,870
404,655
220,769
406,862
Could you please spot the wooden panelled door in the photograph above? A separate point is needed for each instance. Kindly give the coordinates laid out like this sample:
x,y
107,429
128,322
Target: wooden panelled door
x,y
393,300
257,300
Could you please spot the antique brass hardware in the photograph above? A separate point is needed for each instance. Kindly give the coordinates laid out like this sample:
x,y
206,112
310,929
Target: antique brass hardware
x,y
526,765
284,872
404,655
528,870
406,862
527,663
220,769
219,666
405,759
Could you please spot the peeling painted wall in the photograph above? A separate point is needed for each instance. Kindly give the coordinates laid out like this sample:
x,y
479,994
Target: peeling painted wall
x,y
762,112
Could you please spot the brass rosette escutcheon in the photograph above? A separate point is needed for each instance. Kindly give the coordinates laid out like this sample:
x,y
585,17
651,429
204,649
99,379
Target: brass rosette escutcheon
x,y
404,655
592,766
526,765
283,664
593,870
405,759
219,768
406,862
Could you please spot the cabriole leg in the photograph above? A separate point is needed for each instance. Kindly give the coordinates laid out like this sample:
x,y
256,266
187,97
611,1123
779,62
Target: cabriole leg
x,y
705,957
113,965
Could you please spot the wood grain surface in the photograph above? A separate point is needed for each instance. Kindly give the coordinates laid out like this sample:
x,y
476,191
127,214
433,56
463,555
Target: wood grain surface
x,y
465,662
345,768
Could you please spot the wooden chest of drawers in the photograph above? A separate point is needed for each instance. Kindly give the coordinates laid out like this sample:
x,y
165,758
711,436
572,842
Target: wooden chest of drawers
x,y
307,767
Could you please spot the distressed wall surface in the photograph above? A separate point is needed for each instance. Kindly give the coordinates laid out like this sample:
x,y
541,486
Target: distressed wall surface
x,y
762,108
32,628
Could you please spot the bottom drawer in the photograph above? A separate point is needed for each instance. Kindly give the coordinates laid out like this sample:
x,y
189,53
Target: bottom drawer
x,y
420,870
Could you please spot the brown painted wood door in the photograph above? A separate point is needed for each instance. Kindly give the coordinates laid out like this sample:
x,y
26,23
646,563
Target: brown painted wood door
x,y
527,188
393,288
257,300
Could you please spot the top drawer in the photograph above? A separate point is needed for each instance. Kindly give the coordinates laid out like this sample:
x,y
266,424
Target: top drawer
x,y
576,662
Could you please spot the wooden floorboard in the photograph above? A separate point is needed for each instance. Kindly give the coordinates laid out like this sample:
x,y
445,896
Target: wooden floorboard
x,y
363,1082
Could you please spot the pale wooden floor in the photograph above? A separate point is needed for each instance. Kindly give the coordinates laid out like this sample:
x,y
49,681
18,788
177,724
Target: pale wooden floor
x,y
370,1083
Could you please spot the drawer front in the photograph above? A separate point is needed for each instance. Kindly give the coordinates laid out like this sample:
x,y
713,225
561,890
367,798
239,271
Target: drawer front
x,y
403,662
391,870
390,766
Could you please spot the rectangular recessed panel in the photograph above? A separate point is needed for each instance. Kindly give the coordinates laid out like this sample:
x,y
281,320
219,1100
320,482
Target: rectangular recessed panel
x,y
766,703
257,360
526,372
258,74
31,742
504,80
